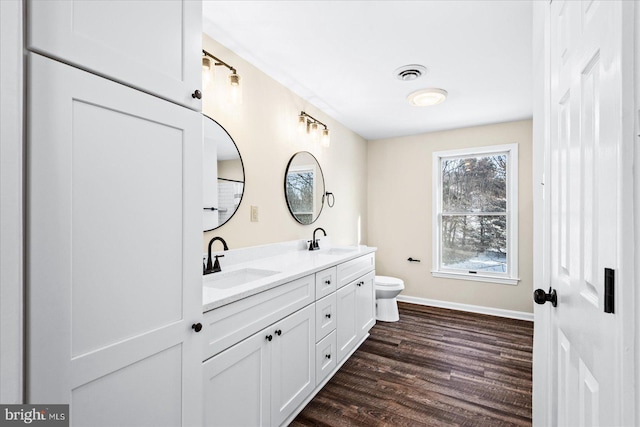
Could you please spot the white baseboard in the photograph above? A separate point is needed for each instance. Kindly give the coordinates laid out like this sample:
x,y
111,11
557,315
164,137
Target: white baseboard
x,y
511,314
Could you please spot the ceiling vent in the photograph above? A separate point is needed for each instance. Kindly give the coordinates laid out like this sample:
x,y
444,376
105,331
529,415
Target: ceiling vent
x,y
410,72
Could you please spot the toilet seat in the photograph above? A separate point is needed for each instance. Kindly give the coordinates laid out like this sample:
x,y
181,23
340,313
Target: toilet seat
x,y
388,282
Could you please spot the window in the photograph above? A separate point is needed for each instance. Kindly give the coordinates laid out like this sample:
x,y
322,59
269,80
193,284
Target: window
x,y
475,214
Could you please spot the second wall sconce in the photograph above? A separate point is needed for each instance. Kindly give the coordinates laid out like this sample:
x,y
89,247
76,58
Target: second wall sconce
x,y
309,124
208,63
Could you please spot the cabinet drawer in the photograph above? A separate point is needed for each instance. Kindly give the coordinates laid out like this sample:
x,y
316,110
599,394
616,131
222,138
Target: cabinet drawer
x,y
234,322
326,356
325,282
326,315
351,270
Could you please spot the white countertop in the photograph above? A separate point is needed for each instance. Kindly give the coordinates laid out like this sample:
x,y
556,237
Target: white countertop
x,y
289,260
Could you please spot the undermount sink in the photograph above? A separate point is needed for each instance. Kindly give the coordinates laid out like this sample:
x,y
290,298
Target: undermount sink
x,y
337,251
231,279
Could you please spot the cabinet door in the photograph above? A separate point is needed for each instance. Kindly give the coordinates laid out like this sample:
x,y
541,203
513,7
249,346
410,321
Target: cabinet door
x,y
237,384
113,249
154,46
293,363
347,327
365,304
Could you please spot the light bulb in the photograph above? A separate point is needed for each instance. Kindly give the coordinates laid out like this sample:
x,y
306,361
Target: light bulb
x,y
302,124
325,140
207,72
313,130
236,89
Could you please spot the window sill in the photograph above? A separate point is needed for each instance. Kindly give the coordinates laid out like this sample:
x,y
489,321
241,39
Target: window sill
x,y
476,277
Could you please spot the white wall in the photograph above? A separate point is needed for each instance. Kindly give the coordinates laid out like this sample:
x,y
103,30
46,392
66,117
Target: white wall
x,y
11,235
264,128
400,215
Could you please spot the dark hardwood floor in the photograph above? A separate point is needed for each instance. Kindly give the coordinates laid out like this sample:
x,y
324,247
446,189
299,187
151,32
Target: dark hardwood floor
x,y
435,367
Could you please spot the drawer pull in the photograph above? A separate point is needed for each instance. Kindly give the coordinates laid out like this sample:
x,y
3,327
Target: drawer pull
x,y
327,282
278,332
269,337
328,315
328,356
197,94
197,327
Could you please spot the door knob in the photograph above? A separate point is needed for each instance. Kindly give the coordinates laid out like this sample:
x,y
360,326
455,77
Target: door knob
x,y
269,337
197,327
540,296
278,332
197,94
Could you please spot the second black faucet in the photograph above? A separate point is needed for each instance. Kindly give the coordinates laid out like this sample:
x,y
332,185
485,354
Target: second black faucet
x,y
313,245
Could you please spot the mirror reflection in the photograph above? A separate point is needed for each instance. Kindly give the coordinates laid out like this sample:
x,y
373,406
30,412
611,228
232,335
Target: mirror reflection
x,y
304,187
223,175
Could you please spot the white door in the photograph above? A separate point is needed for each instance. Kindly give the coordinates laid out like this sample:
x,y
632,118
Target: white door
x,y
152,45
237,384
113,251
584,194
293,361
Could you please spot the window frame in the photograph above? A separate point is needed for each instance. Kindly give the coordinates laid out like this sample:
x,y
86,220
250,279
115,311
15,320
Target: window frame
x,y
511,276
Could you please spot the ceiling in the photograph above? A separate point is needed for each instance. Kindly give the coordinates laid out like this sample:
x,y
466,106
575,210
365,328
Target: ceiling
x,y
341,55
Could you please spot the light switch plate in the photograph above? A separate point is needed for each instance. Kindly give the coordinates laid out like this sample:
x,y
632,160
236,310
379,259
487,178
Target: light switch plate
x,y
254,214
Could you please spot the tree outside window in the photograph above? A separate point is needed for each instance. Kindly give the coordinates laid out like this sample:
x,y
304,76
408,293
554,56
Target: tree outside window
x,y
474,196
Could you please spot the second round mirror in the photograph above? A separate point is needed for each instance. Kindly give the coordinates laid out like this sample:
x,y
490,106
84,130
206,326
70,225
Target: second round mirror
x,y
304,187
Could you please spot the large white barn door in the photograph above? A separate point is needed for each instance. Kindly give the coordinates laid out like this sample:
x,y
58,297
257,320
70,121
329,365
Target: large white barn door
x,y
584,198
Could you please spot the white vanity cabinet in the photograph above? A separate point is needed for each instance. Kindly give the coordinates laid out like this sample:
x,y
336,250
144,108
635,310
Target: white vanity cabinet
x,y
154,46
267,354
263,379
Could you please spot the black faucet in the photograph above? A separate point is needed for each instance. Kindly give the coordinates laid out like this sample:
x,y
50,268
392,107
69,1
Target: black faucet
x,y
313,246
211,267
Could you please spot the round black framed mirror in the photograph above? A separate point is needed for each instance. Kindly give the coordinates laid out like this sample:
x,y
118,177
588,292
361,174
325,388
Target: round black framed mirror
x,y
304,187
223,175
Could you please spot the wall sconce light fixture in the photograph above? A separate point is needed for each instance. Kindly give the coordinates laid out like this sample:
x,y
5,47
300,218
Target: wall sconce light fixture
x,y
310,125
208,63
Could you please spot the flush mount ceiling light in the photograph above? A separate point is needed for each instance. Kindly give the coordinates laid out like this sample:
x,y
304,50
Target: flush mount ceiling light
x,y
309,124
207,75
427,97
410,72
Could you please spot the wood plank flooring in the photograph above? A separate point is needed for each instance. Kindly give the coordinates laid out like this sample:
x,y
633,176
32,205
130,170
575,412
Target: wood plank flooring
x,y
435,367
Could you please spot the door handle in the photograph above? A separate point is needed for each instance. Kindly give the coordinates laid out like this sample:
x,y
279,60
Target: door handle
x,y
540,296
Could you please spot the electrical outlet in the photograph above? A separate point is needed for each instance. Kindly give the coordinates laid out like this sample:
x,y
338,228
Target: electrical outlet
x,y
254,214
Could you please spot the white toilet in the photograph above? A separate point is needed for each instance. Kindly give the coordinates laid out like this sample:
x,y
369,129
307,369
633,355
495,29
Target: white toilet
x,y
387,289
